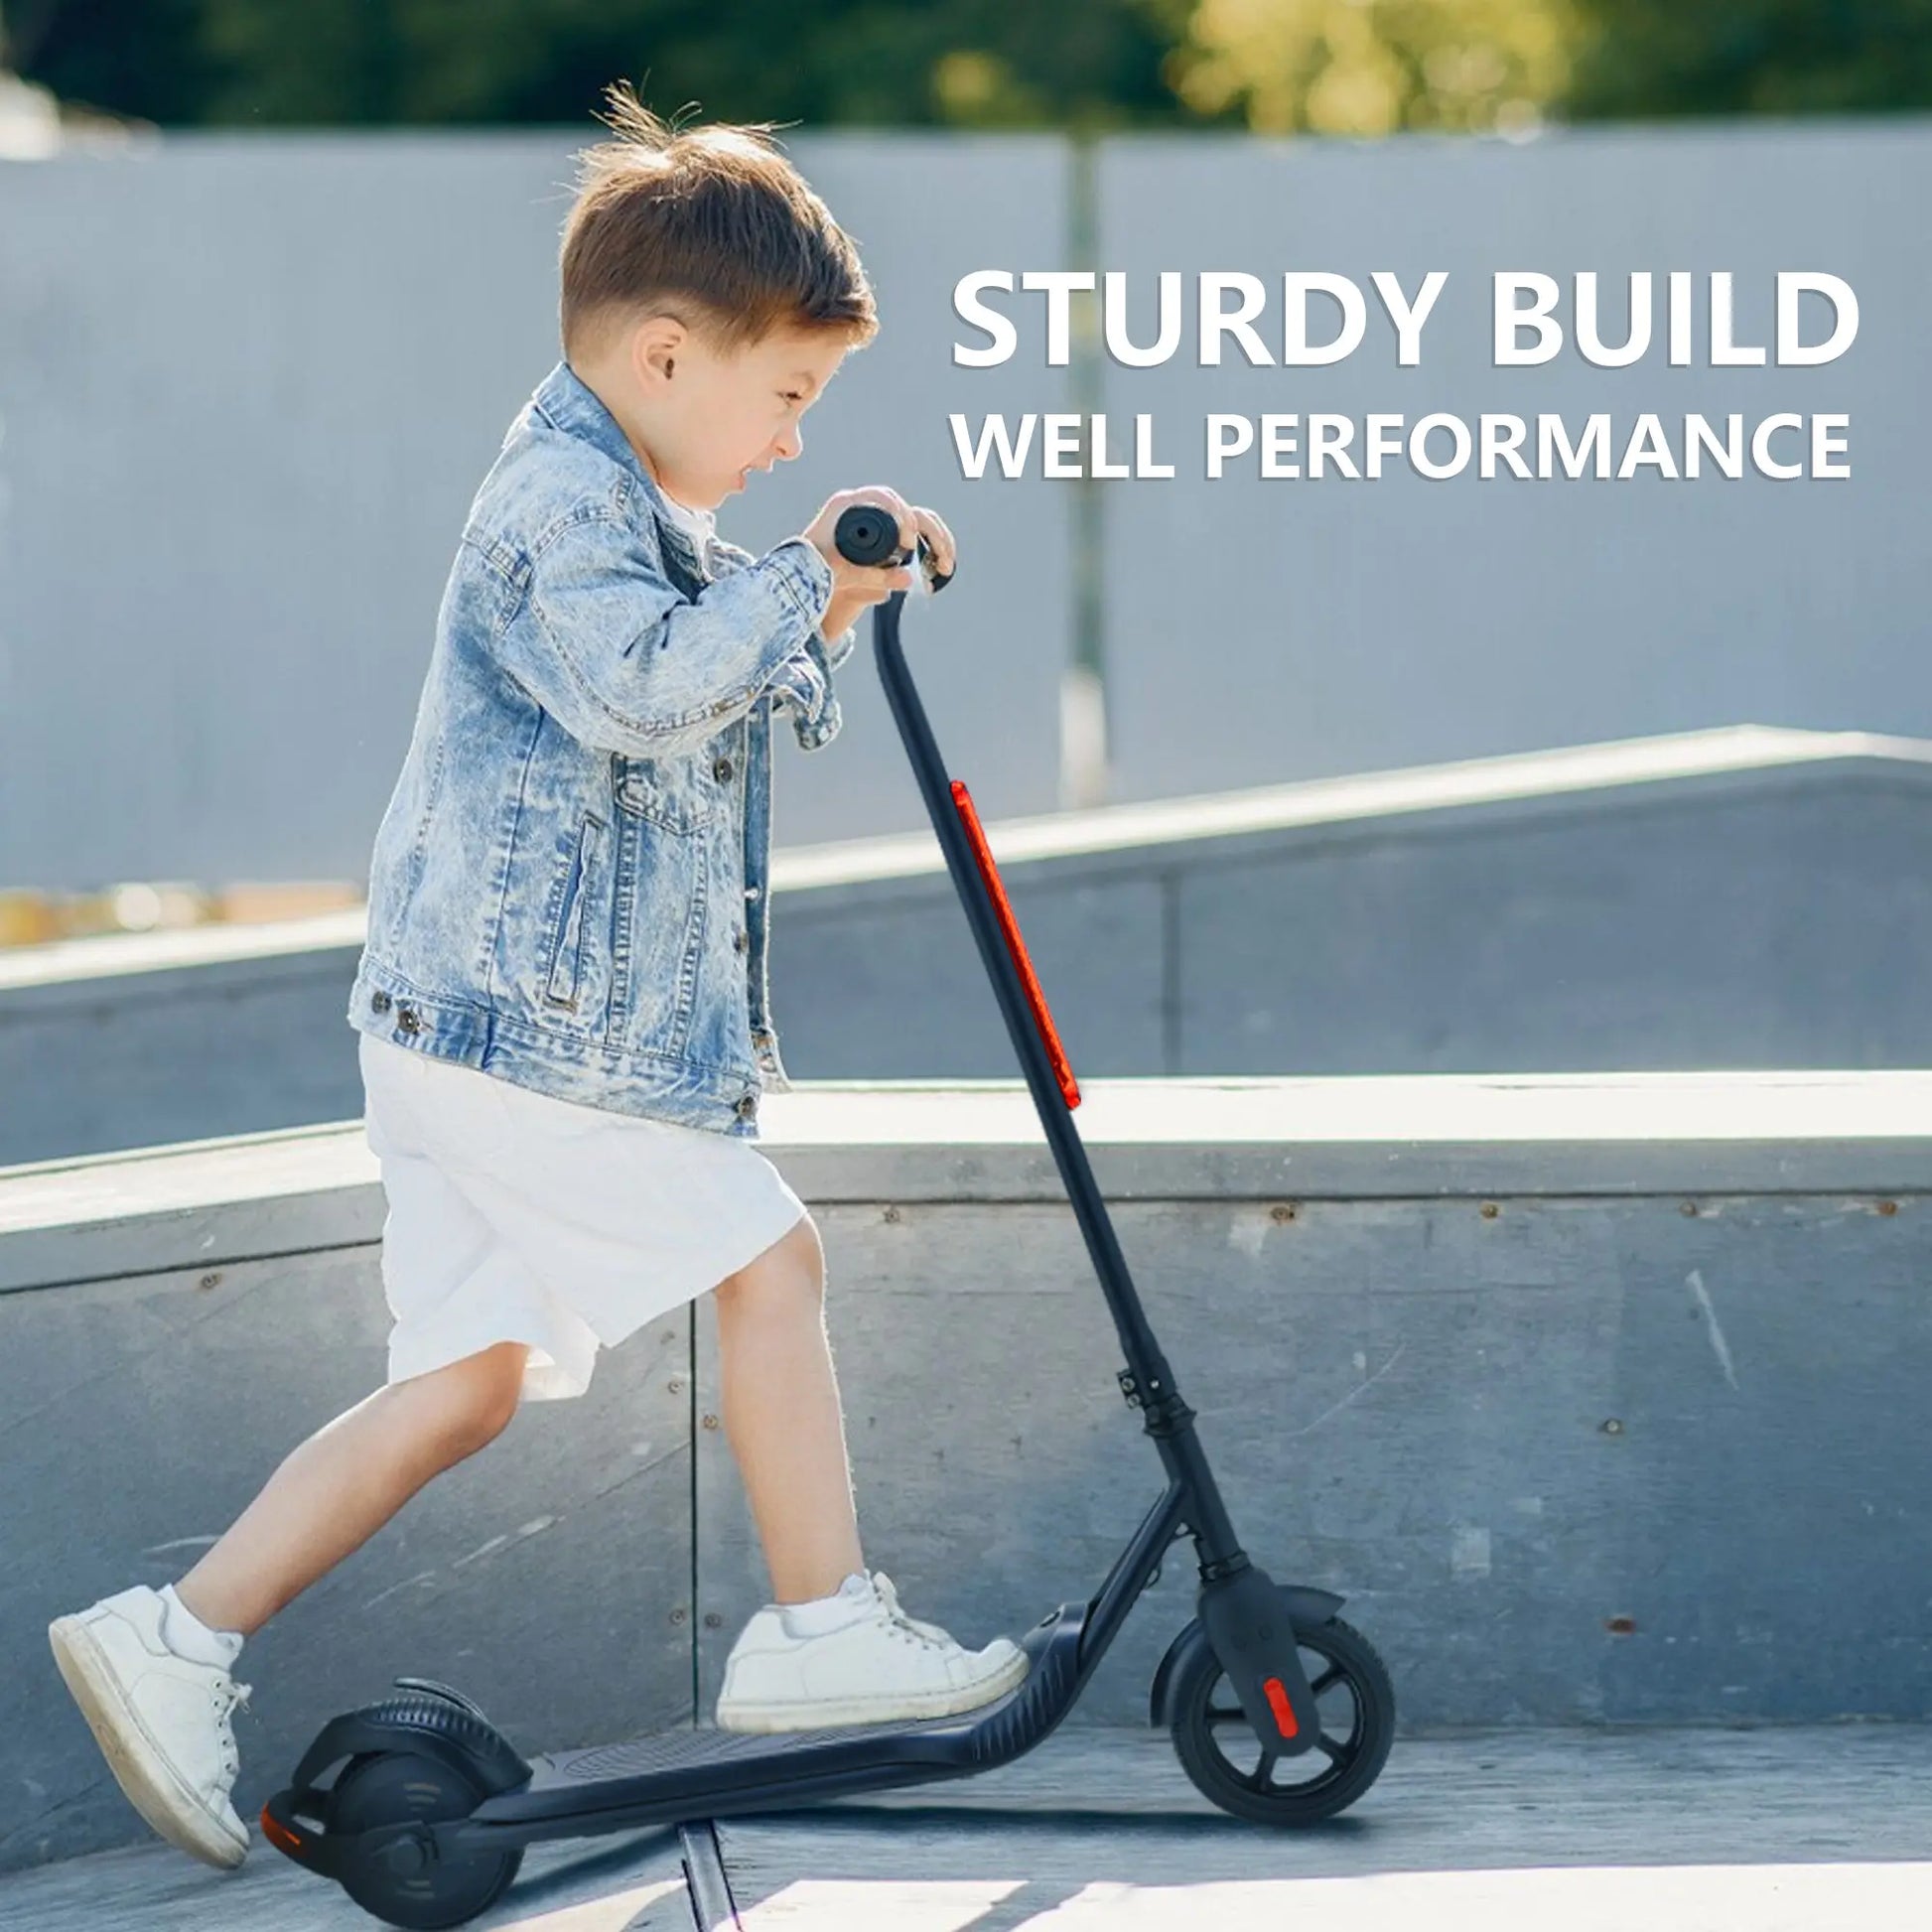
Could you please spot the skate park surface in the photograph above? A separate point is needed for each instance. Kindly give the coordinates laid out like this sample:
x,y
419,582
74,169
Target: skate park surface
x,y
1785,1829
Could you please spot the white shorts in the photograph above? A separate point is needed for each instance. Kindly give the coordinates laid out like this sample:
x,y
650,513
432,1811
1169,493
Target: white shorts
x,y
516,1217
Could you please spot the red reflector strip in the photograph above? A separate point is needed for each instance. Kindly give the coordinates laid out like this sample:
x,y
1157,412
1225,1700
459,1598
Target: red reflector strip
x,y
1016,946
278,1835
1277,1693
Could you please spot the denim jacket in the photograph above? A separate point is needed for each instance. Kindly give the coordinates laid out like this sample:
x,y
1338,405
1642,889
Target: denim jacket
x,y
570,887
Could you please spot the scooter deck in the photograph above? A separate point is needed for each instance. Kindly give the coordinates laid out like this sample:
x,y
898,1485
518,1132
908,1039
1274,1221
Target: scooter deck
x,y
685,1774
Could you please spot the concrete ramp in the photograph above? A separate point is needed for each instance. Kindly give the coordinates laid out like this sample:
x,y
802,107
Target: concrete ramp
x,y
1738,898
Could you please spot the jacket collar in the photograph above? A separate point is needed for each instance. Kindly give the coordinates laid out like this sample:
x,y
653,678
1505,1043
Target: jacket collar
x,y
567,403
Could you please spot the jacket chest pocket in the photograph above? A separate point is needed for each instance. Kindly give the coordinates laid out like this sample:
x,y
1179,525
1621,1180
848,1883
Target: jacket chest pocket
x,y
683,794
576,890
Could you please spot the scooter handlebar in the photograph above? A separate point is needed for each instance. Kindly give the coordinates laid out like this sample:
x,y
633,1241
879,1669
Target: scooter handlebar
x,y
868,535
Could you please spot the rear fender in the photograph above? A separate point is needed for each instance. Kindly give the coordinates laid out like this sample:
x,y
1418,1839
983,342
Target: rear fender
x,y
461,1738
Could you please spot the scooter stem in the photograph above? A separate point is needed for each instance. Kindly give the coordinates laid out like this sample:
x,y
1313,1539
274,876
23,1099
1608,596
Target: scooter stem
x,y
1239,1605
869,536
1153,1382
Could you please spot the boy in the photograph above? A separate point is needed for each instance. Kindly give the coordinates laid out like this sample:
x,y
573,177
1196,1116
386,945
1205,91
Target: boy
x,y
562,1001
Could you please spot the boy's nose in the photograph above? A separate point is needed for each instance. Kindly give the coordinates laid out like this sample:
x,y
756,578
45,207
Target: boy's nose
x,y
789,444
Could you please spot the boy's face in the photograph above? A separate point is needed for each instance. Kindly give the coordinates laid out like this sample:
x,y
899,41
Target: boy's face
x,y
714,416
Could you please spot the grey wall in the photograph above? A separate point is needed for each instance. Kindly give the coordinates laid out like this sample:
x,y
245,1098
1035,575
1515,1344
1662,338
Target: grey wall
x,y
1495,1427
90,1065
1770,916
247,388
1264,629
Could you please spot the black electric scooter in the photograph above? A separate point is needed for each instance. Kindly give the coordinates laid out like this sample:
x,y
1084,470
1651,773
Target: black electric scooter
x,y
1279,1712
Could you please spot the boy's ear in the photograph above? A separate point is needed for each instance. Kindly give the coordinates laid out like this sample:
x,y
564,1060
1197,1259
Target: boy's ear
x,y
654,347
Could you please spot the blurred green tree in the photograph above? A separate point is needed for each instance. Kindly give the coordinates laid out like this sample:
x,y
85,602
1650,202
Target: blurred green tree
x,y
1355,66
961,63
131,56
1634,59
1371,66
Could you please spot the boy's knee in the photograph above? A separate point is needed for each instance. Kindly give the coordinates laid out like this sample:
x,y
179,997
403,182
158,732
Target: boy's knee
x,y
480,1395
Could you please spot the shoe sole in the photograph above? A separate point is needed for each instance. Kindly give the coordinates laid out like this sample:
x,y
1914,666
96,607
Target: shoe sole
x,y
140,1768
825,1714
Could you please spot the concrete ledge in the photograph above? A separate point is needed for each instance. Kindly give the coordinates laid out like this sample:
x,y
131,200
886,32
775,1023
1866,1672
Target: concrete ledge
x,y
1391,1137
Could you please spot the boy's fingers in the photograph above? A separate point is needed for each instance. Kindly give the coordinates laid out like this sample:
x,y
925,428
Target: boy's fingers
x,y
945,550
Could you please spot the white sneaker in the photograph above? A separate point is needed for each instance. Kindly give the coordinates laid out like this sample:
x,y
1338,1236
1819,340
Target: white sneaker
x,y
890,1597
875,1666
161,1719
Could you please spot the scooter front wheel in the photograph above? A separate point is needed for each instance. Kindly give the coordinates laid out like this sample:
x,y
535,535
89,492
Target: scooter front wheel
x,y
1229,1765
400,1788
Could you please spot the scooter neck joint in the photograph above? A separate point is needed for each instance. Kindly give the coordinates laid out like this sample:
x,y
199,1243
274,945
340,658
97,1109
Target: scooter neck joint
x,y
1221,1568
1165,1414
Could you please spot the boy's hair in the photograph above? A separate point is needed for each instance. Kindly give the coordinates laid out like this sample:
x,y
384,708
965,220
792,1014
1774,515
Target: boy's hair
x,y
710,224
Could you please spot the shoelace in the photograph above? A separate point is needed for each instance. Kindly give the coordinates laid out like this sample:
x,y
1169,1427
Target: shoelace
x,y
903,1625
227,1696
903,1633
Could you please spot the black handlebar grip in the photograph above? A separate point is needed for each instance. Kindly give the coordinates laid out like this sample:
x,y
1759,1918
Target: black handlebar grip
x,y
868,535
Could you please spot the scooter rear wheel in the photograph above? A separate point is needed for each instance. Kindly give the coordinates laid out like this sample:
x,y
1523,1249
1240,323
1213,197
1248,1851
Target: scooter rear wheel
x,y
1228,1763
396,1788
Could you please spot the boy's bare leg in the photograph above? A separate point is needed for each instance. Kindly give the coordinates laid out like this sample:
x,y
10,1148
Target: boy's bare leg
x,y
334,1492
782,1417
870,1663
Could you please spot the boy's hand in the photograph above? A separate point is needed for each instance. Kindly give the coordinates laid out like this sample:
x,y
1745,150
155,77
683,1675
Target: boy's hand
x,y
856,586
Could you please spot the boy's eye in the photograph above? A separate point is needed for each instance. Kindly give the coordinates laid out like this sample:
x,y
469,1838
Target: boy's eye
x,y
794,396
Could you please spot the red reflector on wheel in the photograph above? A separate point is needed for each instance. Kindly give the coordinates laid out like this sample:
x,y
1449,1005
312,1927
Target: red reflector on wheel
x,y
1017,946
1277,1695
278,1835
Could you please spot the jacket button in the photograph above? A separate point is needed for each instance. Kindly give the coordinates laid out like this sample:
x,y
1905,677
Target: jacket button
x,y
408,1019
379,1003
722,769
747,1107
